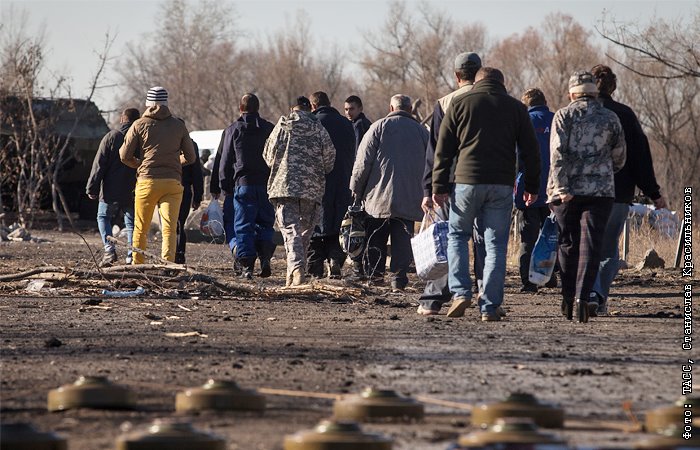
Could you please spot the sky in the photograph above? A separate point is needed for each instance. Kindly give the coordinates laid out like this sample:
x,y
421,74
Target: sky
x,y
75,29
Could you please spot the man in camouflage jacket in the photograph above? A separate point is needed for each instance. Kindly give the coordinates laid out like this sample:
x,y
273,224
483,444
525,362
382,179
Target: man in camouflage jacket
x,y
299,153
587,147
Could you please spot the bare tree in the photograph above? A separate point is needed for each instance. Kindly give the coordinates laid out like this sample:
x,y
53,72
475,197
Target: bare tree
x,y
661,82
545,57
195,57
672,44
414,55
288,65
669,110
34,150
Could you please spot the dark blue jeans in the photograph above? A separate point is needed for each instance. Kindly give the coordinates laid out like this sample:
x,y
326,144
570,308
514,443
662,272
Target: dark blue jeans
x,y
254,219
609,251
229,230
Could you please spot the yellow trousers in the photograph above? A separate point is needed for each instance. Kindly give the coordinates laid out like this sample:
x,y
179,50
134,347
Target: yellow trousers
x,y
167,195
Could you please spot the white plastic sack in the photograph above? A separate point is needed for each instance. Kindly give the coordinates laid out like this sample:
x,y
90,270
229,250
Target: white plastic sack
x,y
544,254
430,248
212,222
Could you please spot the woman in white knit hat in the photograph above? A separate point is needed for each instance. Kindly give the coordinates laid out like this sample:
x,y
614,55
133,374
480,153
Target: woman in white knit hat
x,y
157,146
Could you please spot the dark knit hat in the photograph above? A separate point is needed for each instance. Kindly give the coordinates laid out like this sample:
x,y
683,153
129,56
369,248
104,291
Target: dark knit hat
x,y
303,102
467,60
582,82
157,95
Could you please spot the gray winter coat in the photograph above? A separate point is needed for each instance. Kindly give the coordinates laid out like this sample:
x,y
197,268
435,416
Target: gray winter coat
x,y
389,167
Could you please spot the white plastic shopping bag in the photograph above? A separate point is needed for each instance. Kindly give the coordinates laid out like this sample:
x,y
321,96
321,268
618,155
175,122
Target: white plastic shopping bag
x,y
544,255
212,223
430,248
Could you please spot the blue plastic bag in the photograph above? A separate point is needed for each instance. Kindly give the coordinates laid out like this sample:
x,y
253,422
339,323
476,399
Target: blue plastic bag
x,y
544,255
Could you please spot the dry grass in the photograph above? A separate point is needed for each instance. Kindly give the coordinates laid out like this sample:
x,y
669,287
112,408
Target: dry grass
x,y
641,239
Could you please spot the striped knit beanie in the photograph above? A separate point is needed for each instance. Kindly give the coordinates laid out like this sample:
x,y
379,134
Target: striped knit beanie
x,y
157,96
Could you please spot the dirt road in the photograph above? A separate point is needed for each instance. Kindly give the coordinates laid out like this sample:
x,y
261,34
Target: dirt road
x,y
325,344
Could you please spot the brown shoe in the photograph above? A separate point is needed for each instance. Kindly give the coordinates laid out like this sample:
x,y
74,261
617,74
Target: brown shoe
x,y
491,317
500,311
459,304
298,278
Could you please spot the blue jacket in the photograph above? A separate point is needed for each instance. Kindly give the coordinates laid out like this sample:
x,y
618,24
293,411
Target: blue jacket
x,y
242,147
541,118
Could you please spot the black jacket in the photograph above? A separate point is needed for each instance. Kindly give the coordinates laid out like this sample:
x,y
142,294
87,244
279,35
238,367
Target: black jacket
x,y
638,170
242,162
337,196
214,186
109,177
192,179
361,124
479,135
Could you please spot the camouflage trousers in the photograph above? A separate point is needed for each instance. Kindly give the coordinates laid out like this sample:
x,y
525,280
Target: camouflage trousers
x,y
296,219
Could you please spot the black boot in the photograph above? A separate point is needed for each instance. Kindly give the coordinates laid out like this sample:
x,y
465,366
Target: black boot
x,y
358,271
247,266
265,251
567,307
237,269
581,307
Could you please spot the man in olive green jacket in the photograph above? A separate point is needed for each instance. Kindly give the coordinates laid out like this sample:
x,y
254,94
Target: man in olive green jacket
x,y
163,146
477,139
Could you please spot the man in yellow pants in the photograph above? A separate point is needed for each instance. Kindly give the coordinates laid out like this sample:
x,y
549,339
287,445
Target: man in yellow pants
x,y
157,145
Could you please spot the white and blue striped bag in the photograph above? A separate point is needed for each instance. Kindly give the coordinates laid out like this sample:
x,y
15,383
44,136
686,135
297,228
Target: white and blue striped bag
x,y
430,248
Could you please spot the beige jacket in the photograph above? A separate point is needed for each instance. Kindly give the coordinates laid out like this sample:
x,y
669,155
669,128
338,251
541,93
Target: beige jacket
x,y
157,145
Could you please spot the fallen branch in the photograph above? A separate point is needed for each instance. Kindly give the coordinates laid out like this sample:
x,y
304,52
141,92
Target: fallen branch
x,y
138,272
30,272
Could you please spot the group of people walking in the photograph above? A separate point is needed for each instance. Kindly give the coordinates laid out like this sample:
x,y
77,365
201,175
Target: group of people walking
x,y
484,152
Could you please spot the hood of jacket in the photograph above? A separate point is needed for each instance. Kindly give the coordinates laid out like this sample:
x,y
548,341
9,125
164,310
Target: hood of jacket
x,y
158,112
123,128
488,87
299,120
249,123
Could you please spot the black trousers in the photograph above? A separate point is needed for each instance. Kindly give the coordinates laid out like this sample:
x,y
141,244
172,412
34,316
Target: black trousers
x,y
581,224
322,249
378,233
181,218
530,221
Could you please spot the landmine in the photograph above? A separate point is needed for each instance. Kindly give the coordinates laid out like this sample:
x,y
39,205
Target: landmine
x,y
336,435
518,405
660,419
91,392
23,436
219,396
169,435
377,404
512,433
